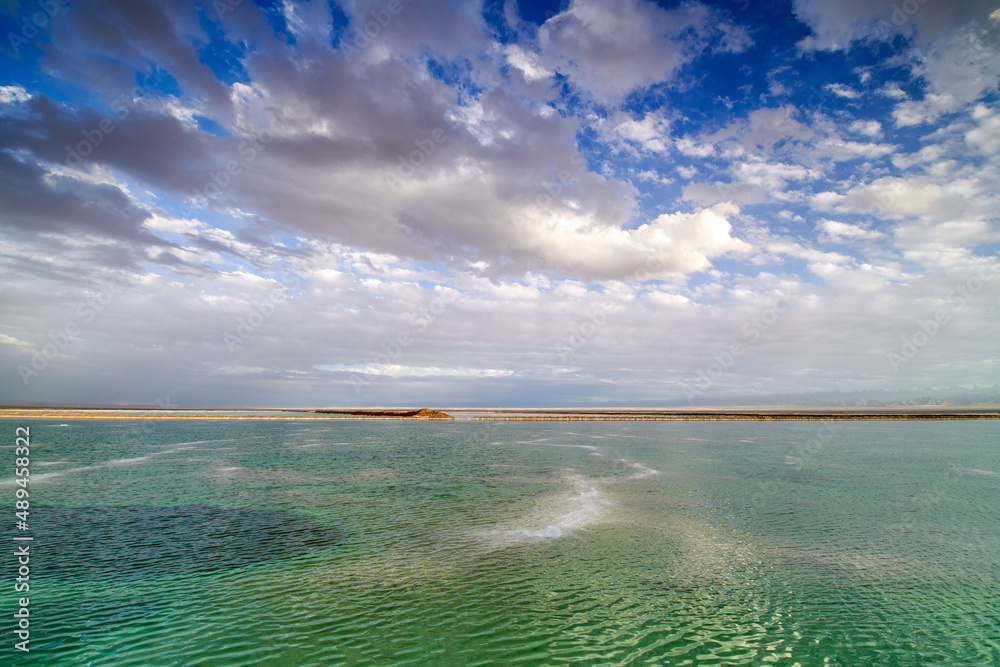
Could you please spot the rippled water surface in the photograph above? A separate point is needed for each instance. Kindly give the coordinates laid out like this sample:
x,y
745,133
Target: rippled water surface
x,y
463,543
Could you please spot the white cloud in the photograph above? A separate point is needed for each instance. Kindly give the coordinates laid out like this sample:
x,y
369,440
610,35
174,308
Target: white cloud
x,y
687,172
893,91
771,175
13,94
924,155
955,48
927,197
963,63
869,128
399,371
678,243
650,176
939,236
841,230
772,147
651,132
536,209
765,130
985,137
911,113
840,90
10,340
176,225
691,148
612,48
527,63
837,25
840,150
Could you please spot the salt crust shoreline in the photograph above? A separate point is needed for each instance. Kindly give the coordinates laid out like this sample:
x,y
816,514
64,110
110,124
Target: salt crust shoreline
x,y
516,415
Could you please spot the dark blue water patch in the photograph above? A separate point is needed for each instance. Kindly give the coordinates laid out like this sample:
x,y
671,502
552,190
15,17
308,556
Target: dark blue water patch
x,y
131,543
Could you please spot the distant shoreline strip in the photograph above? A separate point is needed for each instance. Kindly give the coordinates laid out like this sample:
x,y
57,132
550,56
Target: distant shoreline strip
x,y
731,417
708,416
65,415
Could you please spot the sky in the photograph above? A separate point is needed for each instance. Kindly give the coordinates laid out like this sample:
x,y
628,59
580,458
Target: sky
x,y
586,203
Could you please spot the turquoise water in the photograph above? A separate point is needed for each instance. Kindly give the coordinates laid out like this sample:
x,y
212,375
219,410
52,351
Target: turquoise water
x,y
464,543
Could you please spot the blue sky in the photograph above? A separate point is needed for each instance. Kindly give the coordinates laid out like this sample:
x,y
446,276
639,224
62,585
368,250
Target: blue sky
x,y
584,203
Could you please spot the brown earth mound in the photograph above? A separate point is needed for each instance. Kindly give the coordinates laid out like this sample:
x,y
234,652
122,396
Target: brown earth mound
x,y
423,413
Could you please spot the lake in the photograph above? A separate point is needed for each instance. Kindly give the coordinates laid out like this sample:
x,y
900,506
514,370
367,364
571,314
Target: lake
x,y
486,543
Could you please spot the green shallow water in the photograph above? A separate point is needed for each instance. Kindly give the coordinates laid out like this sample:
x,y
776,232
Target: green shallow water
x,y
460,543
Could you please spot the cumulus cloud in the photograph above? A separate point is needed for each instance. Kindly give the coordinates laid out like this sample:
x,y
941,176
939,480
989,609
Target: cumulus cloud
x,y
437,211
836,25
13,94
985,136
957,45
650,133
841,90
677,243
921,196
612,48
839,231
527,63
870,128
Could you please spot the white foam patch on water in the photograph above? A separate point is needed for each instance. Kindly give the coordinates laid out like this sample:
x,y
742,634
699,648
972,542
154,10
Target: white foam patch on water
x,y
43,477
597,451
98,466
584,505
125,462
201,442
640,470
142,459
309,445
587,505
560,515
229,474
977,471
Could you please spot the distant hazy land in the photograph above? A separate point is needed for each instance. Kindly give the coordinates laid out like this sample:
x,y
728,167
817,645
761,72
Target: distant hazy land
x,y
778,413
